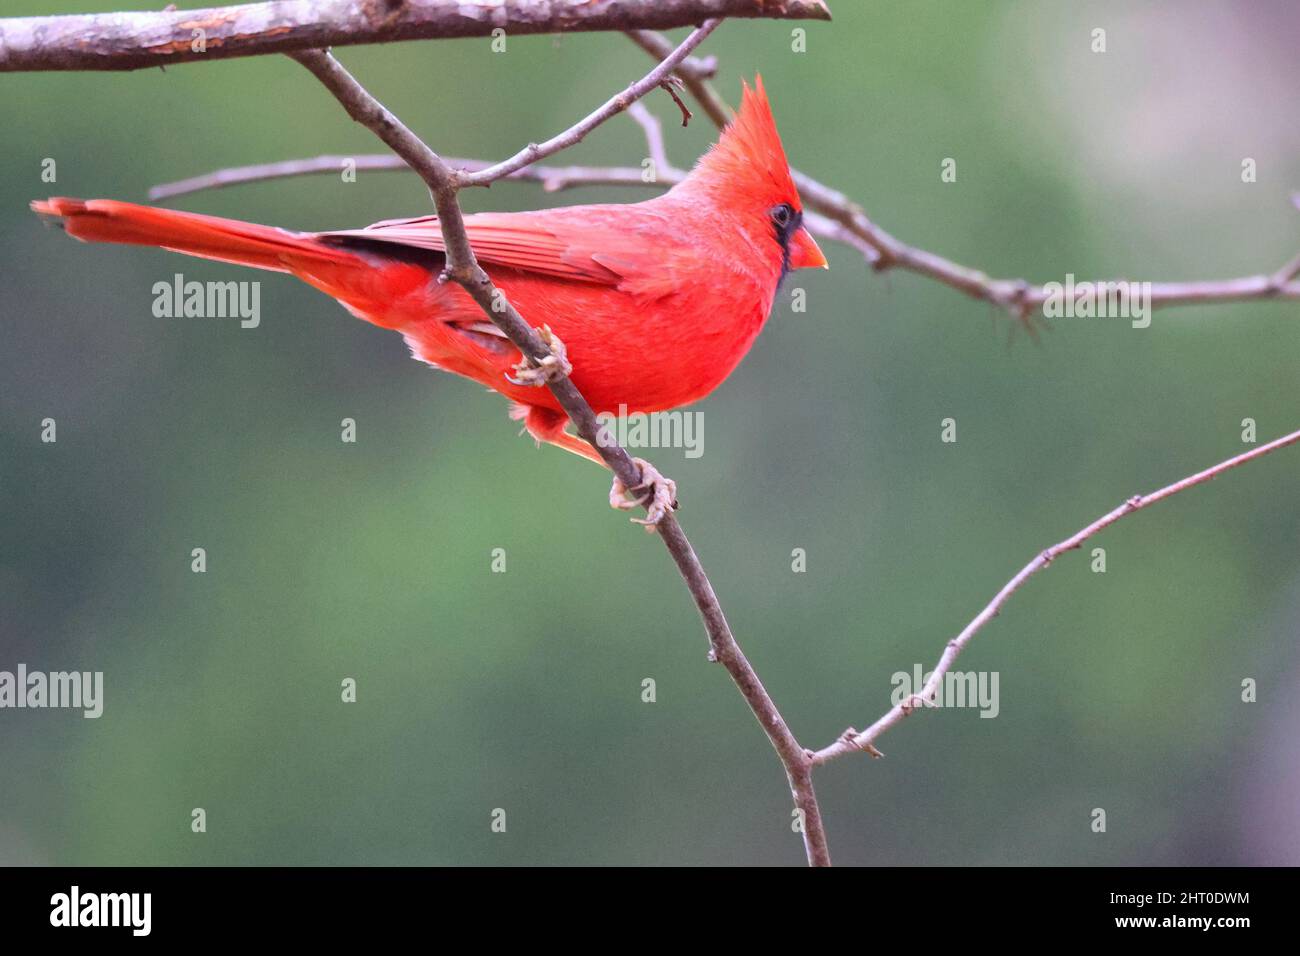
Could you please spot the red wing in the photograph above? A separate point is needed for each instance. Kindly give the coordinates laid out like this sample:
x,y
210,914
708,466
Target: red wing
x,y
536,242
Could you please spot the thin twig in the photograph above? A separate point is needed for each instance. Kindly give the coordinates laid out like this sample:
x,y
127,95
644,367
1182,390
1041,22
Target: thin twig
x,y
463,268
851,740
551,178
132,41
670,84
534,152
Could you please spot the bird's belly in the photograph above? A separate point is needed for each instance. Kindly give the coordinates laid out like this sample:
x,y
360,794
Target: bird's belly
x,y
628,354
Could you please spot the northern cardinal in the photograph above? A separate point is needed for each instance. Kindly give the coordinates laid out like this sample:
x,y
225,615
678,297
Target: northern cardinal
x,y
653,303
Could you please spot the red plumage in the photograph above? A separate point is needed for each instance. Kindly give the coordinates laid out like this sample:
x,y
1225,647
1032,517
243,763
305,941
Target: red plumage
x,y
656,302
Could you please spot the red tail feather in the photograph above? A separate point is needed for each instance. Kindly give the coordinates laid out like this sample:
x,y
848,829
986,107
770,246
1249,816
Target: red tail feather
x,y
225,240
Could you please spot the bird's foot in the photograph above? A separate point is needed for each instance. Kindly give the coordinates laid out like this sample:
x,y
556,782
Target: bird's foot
x,y
554,366
661,499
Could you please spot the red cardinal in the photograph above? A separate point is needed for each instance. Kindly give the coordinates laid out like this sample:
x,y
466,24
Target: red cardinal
x,y
654,302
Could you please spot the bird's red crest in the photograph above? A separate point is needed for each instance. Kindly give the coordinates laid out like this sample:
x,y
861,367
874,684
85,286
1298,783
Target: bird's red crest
x,y
749,154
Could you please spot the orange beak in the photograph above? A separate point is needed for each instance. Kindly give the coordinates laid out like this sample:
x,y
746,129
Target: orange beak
x,y
804,253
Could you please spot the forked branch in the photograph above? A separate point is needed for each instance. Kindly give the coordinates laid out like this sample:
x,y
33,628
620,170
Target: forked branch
x,y
463,268
852,740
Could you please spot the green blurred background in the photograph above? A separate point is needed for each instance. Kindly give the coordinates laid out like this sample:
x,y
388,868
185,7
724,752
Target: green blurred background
x,y
522,690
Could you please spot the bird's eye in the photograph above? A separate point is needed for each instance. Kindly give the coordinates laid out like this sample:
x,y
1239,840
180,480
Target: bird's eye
x,y
783,215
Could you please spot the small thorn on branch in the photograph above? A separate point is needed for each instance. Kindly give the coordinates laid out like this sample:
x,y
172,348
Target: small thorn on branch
x,y
850,739
672,84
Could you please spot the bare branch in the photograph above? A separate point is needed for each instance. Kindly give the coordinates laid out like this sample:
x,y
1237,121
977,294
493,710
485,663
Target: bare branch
x,y
132,41
1017,296
852,740
463,268
551,178
534,152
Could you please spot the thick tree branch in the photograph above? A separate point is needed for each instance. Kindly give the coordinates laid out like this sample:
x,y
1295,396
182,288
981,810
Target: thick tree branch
x,y
132,41
463,268
852,740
